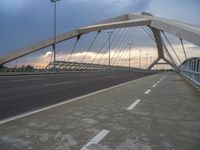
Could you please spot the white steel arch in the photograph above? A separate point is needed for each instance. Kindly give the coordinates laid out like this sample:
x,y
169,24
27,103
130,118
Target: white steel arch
x,y
178,29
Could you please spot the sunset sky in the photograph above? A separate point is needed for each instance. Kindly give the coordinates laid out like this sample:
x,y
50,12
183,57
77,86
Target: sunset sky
x,y
26,22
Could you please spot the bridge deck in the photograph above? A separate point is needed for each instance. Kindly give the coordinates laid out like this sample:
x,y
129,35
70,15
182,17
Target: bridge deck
x,y
148,113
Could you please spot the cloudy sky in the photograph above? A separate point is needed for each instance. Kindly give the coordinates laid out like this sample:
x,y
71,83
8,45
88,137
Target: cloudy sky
x,y
25,22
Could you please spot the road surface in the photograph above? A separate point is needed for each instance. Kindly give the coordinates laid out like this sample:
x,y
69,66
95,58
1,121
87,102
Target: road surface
x,y
158,112
25,93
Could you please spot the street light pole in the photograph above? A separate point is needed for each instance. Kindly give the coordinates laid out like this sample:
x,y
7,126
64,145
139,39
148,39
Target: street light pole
x,y
147,60
130,48
54,42
109,36
140,58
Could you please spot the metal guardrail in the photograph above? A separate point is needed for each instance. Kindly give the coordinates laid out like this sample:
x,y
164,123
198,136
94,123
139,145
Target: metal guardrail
x,y
190,68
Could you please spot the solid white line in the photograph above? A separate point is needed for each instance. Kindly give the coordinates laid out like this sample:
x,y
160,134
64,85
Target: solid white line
x,y
147,91
66,102
27,79
133,105
59,83
37,75
86,75
113,76
96,139
154,85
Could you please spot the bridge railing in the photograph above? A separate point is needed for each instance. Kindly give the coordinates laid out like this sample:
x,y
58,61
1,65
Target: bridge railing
x,y
191,69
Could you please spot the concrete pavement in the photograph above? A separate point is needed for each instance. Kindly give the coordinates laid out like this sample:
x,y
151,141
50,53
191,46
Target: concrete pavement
x,y
158,112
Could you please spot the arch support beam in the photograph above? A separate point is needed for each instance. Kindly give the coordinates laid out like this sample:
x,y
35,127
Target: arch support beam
x,y
181,30
165,59
73,34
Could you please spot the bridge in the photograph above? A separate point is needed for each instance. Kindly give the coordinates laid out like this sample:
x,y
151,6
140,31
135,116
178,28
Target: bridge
x,y
107,101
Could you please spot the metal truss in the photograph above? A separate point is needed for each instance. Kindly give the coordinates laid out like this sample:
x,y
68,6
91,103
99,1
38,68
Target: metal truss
x,y
78,66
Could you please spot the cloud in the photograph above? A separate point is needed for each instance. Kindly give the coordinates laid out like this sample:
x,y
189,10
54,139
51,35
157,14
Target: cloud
x,y
182,10
25,22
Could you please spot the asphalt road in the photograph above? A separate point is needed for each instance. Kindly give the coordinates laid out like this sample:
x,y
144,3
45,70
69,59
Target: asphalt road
x,y
20,94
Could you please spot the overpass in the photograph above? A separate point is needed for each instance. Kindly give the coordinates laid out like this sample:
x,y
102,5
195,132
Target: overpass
x,y
93,106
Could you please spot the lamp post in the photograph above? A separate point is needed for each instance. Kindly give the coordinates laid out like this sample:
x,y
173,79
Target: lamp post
x,y
54,42
129,60
147,60
109,46
140,58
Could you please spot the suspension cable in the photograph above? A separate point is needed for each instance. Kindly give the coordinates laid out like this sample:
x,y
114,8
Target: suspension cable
x,y
122,45
171,47
105,51
102,47
134,47
139,39
168,53
91,44
151,36
127,53
75,44
118,42
183,48
51,57
121,41
104,44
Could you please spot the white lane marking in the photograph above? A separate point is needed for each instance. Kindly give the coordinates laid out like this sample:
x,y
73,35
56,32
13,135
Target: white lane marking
x,y
38,75
59,83
158,82
147,91
96,139
87,75
154,85
113,76
133,105
27,79
163,77
66,101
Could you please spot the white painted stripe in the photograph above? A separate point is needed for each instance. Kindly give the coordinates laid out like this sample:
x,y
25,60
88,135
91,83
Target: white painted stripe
x,y
163,77
113,76
154,85
27,79
87,75
133,105
39,75
158,82
66,102
147,91
96,139
59,83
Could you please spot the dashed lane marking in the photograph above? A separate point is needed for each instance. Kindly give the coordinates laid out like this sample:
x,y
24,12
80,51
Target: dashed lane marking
x,y
21,80
133,105
154,85
59,83
147,91
96,139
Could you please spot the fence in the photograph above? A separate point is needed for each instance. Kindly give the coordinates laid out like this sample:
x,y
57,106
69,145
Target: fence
x,y
191,69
